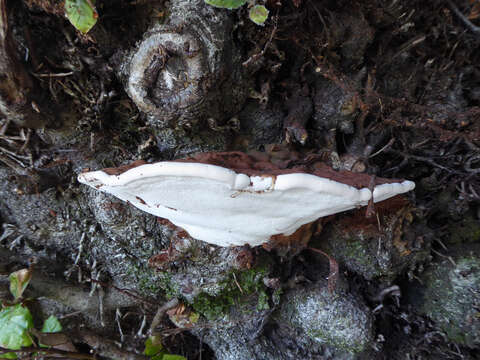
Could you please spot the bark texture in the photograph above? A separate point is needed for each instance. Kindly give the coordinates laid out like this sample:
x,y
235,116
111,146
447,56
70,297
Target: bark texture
x,y
16,85
188,69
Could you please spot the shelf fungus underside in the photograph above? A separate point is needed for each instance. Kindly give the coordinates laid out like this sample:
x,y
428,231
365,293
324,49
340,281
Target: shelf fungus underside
x,y
231,208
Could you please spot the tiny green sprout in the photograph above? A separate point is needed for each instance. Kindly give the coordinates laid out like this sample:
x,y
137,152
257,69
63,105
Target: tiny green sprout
x,y
154,350
258,14
51,325
19,281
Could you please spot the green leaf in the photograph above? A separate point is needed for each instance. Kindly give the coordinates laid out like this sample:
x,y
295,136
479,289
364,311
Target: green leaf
x,y
15,321
193,318
19,281
258,14
173,357
81,13
227,4
154,349
153,346
51,325
8,356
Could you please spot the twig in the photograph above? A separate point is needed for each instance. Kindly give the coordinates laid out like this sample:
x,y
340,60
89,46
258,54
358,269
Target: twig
x,y
393,290
160,312
468,164
475,29
68,273
27,140
106,347
13,154
3,128
118,316
75,313
255,57
101,297
325,27
410,44
31,349
236,283
16,165
123,291
51,75
390,143
445,256
142,326
441,243
423,159
334,272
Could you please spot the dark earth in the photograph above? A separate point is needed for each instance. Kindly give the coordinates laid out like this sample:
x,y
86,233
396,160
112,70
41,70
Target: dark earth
x,y
387,88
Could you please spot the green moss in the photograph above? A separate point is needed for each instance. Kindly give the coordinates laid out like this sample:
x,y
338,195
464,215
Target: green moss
x,y
356,250
277,294
242,288
263,303
357,254
349,250
213,307
146,278
450,298
338,343
168,286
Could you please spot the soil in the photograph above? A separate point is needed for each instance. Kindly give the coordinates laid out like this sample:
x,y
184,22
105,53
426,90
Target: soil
x,y
388,88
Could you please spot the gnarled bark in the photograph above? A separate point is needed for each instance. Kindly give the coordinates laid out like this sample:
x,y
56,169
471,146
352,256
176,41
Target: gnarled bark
x,y
188,69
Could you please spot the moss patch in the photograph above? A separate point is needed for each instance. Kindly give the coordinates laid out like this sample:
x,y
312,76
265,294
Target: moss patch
x,y
242,288
147,280
452,297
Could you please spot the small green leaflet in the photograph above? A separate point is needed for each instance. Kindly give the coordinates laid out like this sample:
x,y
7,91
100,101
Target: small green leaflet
x,y
154,350
19,281
258,14
227,4
15,321
51,325
81,13
152,346
173,357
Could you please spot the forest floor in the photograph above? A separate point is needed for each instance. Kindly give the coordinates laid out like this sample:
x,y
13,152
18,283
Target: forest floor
x,y
391,88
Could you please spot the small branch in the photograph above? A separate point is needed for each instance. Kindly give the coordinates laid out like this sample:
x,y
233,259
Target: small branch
x,y
257,56
423,159
126,292
236,283
51,75
106,347
468,164
66,354
449,258
389,144
334,271
160,312
473,28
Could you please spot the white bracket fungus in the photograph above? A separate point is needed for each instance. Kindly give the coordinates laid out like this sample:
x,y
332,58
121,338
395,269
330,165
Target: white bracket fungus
x,y
220,206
